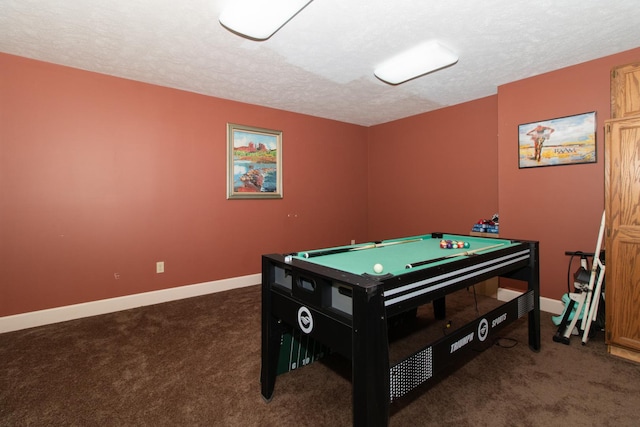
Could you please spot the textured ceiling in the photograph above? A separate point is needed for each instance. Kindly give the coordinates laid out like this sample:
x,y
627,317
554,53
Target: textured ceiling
x,y
321,63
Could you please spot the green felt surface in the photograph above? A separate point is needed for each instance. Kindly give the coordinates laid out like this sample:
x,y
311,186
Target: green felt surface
x,y
395,257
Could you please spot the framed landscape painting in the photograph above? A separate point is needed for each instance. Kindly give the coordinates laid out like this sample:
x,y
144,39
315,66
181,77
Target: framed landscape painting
x,y
563,141
254,168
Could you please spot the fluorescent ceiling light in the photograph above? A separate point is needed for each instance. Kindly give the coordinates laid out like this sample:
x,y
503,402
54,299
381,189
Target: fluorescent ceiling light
x,y
259,19
418,61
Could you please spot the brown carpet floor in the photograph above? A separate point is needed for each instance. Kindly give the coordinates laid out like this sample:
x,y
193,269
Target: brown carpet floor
x,y
196,362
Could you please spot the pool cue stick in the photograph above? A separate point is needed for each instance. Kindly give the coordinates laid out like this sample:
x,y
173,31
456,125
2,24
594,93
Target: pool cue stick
x,y
354,248
465,253
382,245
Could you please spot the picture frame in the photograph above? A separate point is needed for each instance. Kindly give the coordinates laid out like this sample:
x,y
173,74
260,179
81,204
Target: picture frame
x,y
568,140
254,162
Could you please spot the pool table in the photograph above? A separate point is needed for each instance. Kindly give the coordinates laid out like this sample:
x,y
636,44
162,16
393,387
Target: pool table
x,y
336,297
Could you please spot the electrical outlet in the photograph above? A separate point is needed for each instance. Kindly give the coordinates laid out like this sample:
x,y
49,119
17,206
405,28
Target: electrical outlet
x,y
160,267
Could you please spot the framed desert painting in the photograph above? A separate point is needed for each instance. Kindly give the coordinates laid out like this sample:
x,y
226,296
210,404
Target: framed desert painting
x,y
254,168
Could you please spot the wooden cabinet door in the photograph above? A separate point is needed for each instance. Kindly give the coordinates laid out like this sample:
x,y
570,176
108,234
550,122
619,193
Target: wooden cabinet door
x,y
622,205
625,91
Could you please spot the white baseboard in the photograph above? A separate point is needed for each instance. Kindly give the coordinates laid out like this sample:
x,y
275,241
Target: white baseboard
x,y
70,312
546,304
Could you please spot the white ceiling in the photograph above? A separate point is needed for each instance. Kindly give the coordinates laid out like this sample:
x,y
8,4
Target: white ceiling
x,y
321,63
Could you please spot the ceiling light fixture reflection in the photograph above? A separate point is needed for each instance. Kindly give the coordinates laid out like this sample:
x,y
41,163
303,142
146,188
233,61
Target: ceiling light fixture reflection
x,y
423,59
259,19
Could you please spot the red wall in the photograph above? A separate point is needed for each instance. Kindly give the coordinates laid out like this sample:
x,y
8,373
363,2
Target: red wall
x,y
560,206
444,170
434,172
101,176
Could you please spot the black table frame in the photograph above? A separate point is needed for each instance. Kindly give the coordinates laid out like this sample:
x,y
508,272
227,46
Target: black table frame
x,y
298,294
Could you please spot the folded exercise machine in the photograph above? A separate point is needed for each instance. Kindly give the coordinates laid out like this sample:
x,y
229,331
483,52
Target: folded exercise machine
x,y
582,305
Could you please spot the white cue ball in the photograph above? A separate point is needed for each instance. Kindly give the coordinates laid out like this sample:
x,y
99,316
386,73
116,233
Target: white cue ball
x,y
378,268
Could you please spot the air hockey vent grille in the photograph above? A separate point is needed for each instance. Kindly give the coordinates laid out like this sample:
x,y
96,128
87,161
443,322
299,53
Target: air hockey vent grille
x,y
525,304
410,373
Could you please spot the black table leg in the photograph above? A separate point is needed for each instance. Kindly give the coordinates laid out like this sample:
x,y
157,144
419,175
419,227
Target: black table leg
x,y
370,359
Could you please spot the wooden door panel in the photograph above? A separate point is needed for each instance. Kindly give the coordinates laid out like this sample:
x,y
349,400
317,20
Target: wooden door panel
x,y
625,87
626,299
622,193
630,176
